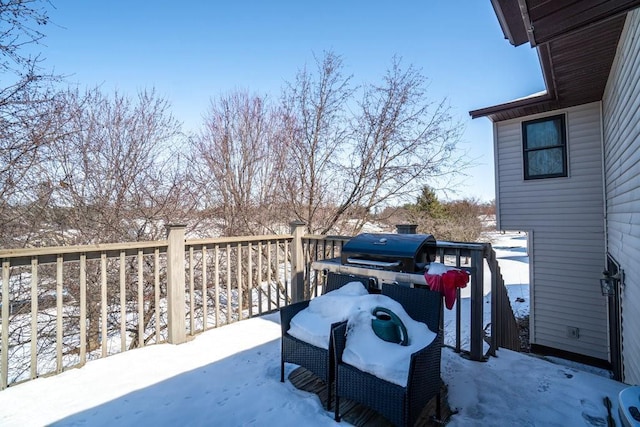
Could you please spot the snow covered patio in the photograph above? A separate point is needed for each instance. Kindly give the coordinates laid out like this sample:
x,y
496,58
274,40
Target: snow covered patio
x,y
230,377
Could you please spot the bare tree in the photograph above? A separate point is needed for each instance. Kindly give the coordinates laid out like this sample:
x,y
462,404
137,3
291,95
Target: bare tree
x,y
403,140
24,130
237,165
324,157
112,173
238,161
21,21
114,170
318,125
23,145
464,223
348,158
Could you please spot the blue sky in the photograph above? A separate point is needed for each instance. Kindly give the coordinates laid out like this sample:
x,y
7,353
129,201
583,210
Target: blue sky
x,y
193,51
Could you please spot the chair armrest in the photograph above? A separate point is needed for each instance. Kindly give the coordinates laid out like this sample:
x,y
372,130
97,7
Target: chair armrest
x,y
424,367
429,354
287,313
338,340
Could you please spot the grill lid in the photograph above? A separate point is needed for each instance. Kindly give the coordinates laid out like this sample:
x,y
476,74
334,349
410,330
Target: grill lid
x,y
396,252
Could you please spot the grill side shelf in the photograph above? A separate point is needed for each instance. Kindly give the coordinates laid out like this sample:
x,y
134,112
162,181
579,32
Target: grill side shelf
x,y
382,276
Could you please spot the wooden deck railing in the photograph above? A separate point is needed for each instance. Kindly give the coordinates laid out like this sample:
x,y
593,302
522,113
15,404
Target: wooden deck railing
x,y
500,331
505,332
64,306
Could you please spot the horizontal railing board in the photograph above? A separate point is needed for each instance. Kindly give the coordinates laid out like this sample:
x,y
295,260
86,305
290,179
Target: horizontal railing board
x,y
48,255
244,240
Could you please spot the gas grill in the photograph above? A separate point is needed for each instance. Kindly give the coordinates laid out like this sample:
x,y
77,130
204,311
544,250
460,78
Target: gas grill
x,y
383,258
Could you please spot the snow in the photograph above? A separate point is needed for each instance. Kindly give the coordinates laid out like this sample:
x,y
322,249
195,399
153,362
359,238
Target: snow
x,y
230,376
313,324
531,96
391,361
354,304
436,268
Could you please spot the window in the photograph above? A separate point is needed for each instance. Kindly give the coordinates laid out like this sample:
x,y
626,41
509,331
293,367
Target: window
x,y
545,148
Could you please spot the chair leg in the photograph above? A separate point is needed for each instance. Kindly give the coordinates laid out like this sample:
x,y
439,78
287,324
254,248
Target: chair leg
x,y
281,370
337,409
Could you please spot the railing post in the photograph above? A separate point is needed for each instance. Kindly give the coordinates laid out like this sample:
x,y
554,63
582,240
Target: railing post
x,y
297,262
496,325
176,313
4,348
477,302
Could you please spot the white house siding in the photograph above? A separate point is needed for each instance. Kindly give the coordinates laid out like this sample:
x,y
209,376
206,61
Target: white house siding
x,y
566,217
621,119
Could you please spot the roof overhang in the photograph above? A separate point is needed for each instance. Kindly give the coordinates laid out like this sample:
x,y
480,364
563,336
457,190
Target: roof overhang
x,y
576,43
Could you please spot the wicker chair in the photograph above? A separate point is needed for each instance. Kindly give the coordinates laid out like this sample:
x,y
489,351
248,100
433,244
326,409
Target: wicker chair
x,y
316,359
400,405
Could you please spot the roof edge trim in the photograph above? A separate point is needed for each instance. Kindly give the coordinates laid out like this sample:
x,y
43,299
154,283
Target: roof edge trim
x,y
518,103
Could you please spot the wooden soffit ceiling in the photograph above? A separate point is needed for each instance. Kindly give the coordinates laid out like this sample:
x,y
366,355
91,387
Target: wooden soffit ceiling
x,y
541,21
576,43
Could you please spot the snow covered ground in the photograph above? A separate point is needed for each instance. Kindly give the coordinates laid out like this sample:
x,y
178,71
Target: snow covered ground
x,y
230,377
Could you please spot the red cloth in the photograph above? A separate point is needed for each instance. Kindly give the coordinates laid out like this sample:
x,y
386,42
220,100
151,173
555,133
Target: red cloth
x,y
447,283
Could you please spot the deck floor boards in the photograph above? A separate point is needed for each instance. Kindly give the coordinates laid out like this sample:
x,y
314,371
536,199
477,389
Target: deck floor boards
x,y
360,415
